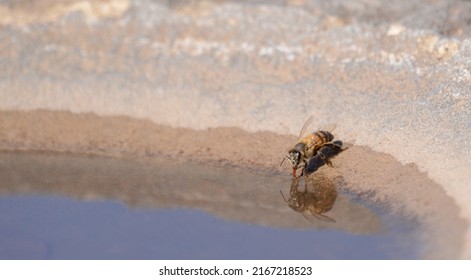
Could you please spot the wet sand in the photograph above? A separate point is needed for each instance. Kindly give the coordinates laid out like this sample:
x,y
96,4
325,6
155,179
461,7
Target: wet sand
x,y
371,177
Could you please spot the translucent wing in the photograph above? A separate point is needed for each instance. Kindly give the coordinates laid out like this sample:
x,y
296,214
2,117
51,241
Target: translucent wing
x,y
320,217
323,217
330,127
308,127
307,124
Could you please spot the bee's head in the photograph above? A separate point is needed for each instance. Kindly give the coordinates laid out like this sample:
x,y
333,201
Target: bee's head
x,y
294,157
294,205
292,202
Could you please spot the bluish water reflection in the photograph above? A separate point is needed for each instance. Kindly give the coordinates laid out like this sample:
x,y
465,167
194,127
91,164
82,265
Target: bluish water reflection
x,y
40,227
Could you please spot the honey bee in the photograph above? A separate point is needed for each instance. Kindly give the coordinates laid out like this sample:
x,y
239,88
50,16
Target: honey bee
x,y
309,145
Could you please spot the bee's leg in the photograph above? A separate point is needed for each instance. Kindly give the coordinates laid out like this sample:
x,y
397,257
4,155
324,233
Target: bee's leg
x,y
302,172
336,148
326,160
306,178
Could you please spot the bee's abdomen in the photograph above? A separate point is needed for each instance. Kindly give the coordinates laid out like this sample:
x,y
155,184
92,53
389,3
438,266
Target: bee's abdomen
x,y
323,136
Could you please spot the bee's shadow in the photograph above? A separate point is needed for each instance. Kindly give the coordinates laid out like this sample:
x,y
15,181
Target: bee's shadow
x,y
327,151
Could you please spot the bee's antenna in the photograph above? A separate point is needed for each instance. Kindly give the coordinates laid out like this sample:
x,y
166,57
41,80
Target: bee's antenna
x,y
283,197
283,160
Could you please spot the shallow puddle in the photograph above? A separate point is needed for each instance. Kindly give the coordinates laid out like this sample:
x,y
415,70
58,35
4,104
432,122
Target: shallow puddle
x,y
62,206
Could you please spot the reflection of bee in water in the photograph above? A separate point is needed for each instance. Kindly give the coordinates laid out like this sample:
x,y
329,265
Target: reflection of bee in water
x,y
313,203
309,145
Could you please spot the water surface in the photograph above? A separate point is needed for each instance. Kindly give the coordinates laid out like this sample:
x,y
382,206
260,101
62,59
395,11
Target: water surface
x,y
60,206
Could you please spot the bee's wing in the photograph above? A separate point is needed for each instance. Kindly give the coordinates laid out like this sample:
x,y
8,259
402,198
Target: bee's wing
x,y
323,217
308,217
330,127
307,124
311,214
308,127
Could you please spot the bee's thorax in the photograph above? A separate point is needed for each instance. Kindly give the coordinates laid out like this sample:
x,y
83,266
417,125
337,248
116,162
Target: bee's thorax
x,y
300,147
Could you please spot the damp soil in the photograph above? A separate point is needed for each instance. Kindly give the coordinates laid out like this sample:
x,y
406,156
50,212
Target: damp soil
x,y
85,186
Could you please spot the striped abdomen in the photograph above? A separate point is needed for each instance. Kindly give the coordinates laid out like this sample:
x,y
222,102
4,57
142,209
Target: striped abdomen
x,y
315,141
